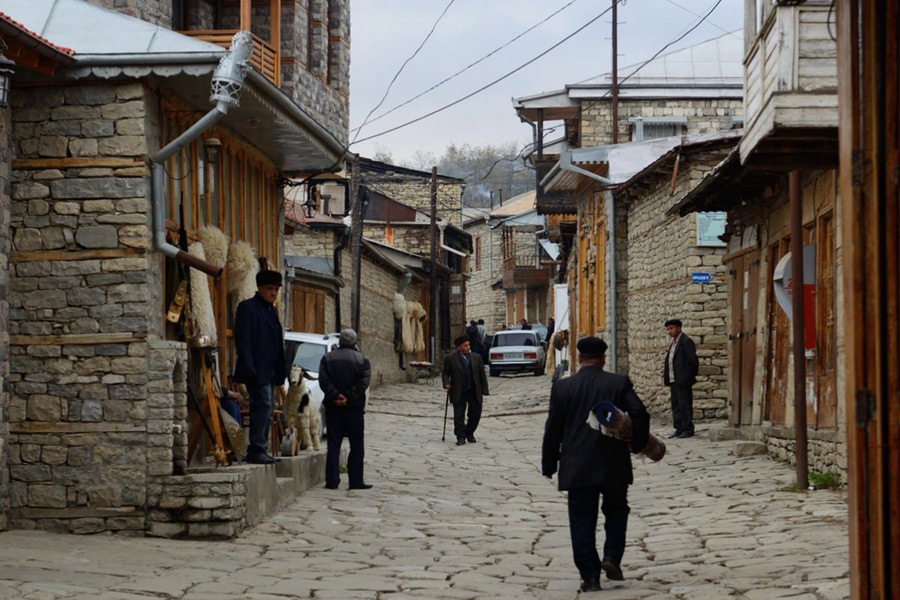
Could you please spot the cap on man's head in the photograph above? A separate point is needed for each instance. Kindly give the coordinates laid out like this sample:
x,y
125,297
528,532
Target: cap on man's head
x,y
591,345
268,278
675,322
347,338
459,341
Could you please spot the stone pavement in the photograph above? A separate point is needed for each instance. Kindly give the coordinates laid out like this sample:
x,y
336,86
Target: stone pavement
x,y
474,522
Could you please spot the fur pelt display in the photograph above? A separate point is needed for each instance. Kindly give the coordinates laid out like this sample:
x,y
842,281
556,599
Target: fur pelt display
x,y
215,244
302,412
401,324
203,320
241,269
416,315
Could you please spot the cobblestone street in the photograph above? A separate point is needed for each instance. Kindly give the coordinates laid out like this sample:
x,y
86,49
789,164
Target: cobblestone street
x,y
474,522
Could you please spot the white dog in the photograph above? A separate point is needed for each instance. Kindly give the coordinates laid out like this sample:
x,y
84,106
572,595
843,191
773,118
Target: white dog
x,y
302,412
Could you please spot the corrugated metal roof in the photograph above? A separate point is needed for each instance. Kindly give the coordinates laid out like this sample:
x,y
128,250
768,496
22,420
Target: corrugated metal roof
x,y
89,29
516,205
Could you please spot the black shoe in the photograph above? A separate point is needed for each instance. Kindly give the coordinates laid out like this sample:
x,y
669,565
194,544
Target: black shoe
x,y
591,584
272,458
361,486
329,486
675,435
613,570
261,459
460,441
686,434
471,439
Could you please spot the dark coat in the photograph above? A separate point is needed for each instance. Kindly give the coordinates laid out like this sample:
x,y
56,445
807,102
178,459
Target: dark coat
x,y
259,341
585,456
685,363
453,374
345,371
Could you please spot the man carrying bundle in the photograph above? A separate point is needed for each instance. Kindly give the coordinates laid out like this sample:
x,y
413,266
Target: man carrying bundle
x,y
593,464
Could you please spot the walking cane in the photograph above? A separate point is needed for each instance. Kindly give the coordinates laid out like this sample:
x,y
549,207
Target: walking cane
x,y
446,406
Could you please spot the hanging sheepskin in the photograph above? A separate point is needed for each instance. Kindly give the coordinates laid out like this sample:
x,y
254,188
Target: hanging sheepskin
x,y
415,315
215,244
241,270
203,321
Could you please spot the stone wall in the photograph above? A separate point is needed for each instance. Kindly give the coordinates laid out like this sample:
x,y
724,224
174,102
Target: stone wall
x,y
415,191
158,12
662,253
5,243
703,116
482,301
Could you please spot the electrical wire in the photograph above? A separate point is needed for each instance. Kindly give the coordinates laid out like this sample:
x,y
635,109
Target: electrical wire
x,y
463,70
491,84
686,9
400,70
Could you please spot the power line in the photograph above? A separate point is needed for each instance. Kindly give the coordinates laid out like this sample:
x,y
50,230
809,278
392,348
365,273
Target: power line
x,y
400,70
491,84
483,58
686,9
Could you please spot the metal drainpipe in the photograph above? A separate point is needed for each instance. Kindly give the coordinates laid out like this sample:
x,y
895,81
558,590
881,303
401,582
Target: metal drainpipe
x,y
611,288
227,82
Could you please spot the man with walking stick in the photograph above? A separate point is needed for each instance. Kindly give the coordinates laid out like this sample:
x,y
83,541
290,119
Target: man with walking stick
x,y
464,379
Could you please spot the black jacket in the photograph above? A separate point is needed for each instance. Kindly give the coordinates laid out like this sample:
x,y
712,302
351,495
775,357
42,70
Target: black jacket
x,y
585,456
685,363
453,374
259,341
345,371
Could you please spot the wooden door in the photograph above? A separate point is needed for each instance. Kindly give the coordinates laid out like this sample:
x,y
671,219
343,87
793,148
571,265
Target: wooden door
x,y
735,348
826,342
307,309
457,305
742,336
777,343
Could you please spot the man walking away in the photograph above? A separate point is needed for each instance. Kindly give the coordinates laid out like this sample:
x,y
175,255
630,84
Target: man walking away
x,y
464,379
344,375
592,464
259,341
680,375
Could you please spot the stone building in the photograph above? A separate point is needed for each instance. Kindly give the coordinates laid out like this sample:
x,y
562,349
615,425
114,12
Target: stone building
x,y
791,133
98,380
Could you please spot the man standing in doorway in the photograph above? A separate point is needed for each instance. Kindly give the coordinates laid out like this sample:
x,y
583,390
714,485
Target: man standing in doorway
x,y
680,375
259,341
592,464
525,325
344,375
464,379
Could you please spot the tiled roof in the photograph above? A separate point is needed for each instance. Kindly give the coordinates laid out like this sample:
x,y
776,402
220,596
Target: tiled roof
x,y
34,36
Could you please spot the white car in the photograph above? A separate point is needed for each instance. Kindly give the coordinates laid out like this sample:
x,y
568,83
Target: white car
x,y
517,350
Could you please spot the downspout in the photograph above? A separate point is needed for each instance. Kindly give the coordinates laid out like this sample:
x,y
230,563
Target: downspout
x,y
345,239
227,82
442,225
611,277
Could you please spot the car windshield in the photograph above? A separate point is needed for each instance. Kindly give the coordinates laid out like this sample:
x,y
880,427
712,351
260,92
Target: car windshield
x,y
309,355
514,339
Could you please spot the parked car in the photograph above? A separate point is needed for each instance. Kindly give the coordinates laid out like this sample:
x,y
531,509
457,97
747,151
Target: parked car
x,y
540,329
517,351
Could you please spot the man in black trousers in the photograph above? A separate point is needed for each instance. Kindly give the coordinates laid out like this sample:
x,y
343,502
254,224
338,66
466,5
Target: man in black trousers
x,y
261,364
344,375
464,379
592,464
680,375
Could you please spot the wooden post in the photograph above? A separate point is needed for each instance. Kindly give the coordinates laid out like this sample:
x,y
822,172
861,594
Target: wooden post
x,y
356,244
245,15
615,72
432,290
275,38
796,200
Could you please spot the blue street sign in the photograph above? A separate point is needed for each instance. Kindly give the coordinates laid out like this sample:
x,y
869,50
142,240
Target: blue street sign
x,y
701,277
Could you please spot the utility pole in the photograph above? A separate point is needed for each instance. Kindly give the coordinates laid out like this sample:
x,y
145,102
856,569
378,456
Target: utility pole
x,y
796,204
356,243
432,287
615,72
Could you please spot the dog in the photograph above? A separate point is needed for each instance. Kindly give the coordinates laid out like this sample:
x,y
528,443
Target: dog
x,y
302,412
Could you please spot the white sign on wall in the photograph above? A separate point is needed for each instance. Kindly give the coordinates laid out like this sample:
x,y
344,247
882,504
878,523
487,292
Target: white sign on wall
x,y
710,225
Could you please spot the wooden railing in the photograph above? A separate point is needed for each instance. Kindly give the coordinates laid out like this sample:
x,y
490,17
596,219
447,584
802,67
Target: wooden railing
x,y
521,260
264,57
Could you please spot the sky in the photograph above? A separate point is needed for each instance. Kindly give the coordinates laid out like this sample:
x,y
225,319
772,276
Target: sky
x,y
385,33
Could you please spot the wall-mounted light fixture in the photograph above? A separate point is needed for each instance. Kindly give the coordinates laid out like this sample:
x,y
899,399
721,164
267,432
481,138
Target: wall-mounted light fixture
x,y
7,68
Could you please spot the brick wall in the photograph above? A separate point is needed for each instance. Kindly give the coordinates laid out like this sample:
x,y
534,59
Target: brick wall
x,y
703,115
4,314
661,256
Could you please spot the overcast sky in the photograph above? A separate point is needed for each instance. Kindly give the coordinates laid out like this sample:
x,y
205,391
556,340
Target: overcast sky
x,y
387,32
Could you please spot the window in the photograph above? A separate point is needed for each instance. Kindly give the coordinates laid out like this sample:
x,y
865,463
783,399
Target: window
x,y
651,128
478,253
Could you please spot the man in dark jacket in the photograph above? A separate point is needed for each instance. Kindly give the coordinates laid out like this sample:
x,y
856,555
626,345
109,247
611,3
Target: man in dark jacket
x,y
259,341
344,375
680,375
464,379
590,463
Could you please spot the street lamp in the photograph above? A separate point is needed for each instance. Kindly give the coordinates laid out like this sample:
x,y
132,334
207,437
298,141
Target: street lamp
x,y
309,207
7,68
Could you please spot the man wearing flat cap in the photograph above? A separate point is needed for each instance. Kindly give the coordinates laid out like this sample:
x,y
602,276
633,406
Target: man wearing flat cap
x,y
344,375
680,375
592,464
261,363
464,379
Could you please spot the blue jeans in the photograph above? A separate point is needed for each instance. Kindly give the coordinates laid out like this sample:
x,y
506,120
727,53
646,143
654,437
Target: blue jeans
x,y
261,405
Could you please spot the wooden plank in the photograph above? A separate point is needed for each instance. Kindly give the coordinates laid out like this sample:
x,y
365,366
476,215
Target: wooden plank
x,y
77,512
81,339
29,427
70,163
54,255
245,15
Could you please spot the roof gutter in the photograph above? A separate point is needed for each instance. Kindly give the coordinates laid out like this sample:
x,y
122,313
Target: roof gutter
x,y
158,58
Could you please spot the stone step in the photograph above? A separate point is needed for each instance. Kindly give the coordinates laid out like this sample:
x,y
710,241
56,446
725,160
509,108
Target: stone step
x,y
744,448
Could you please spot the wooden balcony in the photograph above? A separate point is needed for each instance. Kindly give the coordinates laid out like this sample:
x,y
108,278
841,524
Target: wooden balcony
x,y
523,271
790,89
265,58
